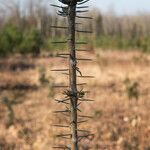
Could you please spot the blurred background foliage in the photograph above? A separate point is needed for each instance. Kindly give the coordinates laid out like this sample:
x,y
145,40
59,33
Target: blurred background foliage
x,y
28,30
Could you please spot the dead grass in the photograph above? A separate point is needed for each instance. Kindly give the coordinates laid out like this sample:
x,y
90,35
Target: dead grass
x,y
118,124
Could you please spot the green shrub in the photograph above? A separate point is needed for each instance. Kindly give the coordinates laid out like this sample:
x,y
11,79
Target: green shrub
x,y
145,45
132,89
97,114
10,38
32,42
42,76
116,42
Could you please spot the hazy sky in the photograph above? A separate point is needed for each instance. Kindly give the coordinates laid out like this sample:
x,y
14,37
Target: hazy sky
x,y
119,6
123,6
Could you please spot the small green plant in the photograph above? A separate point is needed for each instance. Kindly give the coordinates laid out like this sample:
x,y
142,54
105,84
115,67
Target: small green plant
x,y
9,120
10,38
132,89
42,76
97,114
32,42
25,133
51,87
9,103
46,81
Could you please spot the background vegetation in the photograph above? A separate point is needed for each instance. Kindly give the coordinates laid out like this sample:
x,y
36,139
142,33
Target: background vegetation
x,y
27,30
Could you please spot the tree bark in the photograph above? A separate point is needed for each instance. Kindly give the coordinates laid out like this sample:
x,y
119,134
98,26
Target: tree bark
x,y
72,77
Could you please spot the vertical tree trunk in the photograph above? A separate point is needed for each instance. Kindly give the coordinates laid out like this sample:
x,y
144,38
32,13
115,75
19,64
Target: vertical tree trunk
x,y
72,72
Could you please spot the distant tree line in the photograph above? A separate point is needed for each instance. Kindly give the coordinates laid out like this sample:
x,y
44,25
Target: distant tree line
x,y
26,29
123,31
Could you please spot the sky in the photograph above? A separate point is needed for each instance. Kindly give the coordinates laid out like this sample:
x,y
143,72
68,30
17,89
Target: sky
x,y
122,6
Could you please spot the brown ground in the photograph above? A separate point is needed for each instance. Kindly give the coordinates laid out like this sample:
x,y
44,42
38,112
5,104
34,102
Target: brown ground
x,y
119,123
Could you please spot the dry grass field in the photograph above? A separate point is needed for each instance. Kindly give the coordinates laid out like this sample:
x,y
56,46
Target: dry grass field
x,y
121,90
